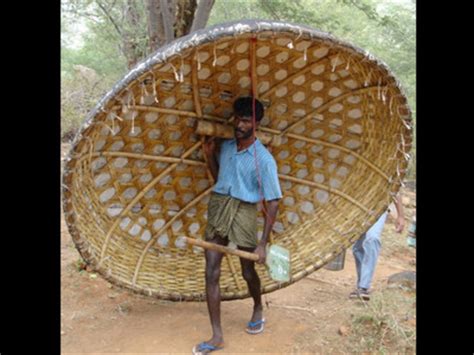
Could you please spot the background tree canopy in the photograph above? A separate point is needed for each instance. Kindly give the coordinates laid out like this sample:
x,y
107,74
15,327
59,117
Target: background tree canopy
x,y
102,39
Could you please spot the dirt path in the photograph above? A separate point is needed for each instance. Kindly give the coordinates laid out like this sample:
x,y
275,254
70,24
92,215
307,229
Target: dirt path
x,y
97,317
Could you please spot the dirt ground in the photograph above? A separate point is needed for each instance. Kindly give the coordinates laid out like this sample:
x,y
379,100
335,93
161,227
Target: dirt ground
x,y
314,315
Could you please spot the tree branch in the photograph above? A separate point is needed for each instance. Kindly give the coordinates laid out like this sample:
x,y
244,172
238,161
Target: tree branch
x,y
202,13
130,39
109,16
154,23
166,15
184,17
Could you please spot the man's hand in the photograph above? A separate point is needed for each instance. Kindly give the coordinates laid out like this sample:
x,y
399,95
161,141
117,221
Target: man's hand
x,y
209,146
400,224
210,151
262,254
270,216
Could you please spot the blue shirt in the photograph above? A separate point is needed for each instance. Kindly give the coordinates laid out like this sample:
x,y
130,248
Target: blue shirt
x,y
238,173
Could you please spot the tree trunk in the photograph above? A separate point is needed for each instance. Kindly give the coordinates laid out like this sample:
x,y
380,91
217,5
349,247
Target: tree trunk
x,y
155,25
169,18
166,20
202,14
161,18
184,17
130,39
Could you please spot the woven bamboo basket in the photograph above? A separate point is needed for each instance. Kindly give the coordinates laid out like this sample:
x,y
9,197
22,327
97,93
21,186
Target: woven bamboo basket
x,y
135,180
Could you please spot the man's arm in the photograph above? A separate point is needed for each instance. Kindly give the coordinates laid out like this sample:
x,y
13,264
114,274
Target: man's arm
x,y
270,216
211,156
400,222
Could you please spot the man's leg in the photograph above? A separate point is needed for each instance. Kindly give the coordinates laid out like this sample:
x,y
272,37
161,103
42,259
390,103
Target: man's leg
x,y
371,246
213,271
253,282
358,252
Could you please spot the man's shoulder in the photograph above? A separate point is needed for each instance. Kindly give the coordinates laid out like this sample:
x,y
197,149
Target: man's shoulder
x,y
265,153
226,143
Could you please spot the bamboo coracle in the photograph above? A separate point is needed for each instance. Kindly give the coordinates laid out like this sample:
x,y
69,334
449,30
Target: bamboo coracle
x,y
136,180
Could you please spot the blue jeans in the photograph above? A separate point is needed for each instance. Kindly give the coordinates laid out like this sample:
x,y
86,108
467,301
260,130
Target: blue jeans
x,y
366,252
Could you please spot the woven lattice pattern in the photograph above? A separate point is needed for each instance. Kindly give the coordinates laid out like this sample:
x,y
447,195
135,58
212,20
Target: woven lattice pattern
x,y
136,179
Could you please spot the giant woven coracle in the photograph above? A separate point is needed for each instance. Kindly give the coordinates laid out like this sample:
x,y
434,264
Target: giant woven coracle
x,y
136,180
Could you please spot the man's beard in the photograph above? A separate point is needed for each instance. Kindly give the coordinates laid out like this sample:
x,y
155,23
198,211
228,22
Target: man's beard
x,y
244,135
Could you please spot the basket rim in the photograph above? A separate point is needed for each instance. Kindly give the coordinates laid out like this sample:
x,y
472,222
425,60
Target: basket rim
x,y
213,33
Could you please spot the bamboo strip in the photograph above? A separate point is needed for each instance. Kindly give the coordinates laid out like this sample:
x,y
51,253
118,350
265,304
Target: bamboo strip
x,y
145,157
157,234
137,198
324,187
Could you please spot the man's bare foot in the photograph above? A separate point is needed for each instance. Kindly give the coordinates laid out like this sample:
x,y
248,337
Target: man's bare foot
x,y
257,322
257,314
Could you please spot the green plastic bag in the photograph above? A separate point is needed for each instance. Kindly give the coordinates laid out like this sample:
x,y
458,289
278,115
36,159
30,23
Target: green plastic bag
x,y
278,263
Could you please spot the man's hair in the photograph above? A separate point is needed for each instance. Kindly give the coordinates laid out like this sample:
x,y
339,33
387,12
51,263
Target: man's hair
x,y
243,108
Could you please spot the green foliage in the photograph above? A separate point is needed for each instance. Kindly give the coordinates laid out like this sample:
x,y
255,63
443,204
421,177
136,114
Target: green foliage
x,y
99,51
230,10
104,59
79,95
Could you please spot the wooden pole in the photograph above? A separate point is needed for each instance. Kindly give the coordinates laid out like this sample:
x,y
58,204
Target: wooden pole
x,y
205,128
221,248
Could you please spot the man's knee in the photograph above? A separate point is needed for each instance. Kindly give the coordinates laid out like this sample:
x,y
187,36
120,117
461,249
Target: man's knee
x,y
372,244
212,273
213,266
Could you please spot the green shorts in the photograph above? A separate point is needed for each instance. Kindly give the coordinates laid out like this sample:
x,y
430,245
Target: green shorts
x,y
231,218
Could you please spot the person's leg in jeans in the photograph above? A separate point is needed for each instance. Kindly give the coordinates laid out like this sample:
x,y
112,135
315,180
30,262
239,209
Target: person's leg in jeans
x,y
358,252
366,252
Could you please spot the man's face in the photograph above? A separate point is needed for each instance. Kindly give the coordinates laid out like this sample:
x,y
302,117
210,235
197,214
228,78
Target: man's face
x,y
243,127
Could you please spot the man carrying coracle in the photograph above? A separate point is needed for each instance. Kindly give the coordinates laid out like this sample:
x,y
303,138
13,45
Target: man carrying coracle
x,y
246,173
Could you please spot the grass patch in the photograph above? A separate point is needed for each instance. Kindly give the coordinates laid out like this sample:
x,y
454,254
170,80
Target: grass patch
x,y
385,324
